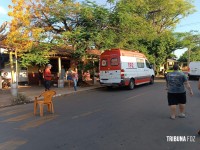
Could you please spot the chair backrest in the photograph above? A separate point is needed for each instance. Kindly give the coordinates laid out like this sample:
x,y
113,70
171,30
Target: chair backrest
x,y
48,95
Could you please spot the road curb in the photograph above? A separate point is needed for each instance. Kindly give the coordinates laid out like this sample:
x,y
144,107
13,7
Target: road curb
x,y
57,95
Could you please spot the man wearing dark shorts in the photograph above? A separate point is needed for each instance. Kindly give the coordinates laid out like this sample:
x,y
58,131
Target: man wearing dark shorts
x,y
176,83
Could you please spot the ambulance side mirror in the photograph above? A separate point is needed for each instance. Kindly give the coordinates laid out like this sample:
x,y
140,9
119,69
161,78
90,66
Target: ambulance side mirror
x,y
151,66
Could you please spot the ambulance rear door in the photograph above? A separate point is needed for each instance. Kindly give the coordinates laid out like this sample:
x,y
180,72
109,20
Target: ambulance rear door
x,y
110,69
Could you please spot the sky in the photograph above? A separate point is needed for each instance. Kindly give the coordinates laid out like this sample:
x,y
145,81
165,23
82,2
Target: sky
x,y
192,22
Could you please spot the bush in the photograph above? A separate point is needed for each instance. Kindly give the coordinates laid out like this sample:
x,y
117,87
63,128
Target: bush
x,y
20,99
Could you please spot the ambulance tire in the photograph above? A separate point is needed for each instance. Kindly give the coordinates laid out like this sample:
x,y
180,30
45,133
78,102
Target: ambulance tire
x,y
131,85
151,80
109,87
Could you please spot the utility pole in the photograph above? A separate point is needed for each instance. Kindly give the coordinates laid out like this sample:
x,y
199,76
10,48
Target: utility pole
x,y
189,51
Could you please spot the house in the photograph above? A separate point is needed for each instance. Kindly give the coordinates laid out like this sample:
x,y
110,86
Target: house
x,y
60,56
168,64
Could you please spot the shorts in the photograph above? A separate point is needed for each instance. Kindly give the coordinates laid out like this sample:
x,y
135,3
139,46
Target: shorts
x,y
69,77
176,98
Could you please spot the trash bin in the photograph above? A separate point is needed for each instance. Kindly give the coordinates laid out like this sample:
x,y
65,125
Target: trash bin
x,y
60,83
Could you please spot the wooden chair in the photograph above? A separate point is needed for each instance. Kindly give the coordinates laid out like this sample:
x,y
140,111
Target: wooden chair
x,y
47,100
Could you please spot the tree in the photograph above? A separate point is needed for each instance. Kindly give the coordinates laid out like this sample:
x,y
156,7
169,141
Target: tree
x,y
71,24
38,55
148,26
190,41
55,18
194,55
22,34
3,33
94,22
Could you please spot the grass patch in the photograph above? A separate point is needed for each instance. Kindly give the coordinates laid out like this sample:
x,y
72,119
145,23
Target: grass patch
x,y
20,99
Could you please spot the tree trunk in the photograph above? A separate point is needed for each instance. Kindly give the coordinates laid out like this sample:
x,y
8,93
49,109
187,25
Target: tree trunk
x,y
12,67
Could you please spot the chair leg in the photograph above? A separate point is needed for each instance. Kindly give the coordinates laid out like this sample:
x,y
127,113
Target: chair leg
x,y
52,108
35,108
49,107
41,110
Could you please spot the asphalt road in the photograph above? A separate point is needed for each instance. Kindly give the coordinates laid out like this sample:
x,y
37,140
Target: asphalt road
x,y
101,119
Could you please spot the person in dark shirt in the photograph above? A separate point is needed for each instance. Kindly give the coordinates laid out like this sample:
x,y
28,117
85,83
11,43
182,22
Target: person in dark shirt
x,y
176,83
47,77
69,77
75,78
40,76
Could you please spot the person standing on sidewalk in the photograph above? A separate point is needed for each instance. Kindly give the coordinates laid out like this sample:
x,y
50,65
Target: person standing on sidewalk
x,y
47,77
40,76
69,77
176,83
75,78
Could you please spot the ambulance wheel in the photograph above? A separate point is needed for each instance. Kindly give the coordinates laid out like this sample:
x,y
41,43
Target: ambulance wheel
x,y
189,77
131,84
109,87
152,80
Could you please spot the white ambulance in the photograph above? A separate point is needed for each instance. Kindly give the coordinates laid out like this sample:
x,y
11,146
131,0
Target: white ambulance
x,y
194,69
124,68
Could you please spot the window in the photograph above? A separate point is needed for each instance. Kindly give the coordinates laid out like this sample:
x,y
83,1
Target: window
x,y
23,68
114,62
147,64
140,63
104,63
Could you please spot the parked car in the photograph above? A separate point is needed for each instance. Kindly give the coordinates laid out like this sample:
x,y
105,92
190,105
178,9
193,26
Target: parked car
x,y
194,69
22,75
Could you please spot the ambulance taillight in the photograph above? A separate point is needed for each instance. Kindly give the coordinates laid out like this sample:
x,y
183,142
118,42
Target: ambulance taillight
x,y
122,73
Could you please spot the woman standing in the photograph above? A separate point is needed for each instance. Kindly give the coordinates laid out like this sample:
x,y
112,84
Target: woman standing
x,y
75,78
69,76
40,76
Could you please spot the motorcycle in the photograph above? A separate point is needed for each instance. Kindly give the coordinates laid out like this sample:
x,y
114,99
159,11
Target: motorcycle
x,y
6,83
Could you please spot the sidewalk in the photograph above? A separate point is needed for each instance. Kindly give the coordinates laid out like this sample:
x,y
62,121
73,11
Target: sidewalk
x,y
32,91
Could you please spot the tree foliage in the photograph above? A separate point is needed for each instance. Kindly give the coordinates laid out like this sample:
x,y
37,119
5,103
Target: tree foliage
x,y
194,55
191,40
55,17
22,34
148,26
141,25
3,33
38,55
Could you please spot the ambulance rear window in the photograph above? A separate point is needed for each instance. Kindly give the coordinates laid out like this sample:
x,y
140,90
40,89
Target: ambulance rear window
x,y
104,62
114,62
